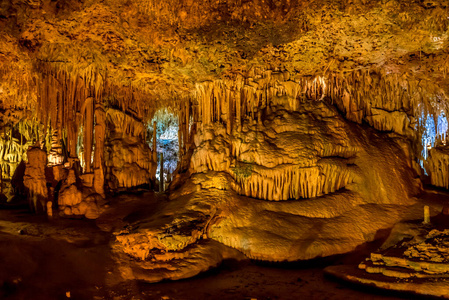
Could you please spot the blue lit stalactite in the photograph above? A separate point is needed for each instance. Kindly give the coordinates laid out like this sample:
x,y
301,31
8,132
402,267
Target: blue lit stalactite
x,y
442,127
431,134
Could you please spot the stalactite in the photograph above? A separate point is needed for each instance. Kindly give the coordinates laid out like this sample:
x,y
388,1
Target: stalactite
x,y
100,133
238,115
88,112
187,126
230,112
154,142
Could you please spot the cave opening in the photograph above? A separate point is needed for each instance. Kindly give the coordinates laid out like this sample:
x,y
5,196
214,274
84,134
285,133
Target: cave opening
x,y
167,142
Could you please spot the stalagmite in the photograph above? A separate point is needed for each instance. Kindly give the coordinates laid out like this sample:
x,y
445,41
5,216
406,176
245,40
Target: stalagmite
x,y
55,157
49,209
34,179
426,214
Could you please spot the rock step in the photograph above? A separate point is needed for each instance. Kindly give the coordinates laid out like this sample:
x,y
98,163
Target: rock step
x,y
397,272
415,265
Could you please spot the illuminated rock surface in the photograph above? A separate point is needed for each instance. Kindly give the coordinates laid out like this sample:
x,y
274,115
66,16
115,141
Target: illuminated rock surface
x,y
289,130
417,264
310,175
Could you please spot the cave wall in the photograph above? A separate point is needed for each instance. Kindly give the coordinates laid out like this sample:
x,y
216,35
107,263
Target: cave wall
x,y
66,66
128,159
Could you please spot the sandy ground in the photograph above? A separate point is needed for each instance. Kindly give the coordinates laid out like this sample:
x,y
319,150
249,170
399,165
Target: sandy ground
x,y
61,259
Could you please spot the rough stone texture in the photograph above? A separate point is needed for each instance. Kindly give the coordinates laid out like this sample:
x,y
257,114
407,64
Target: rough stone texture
x,y
34,179
100,135
417,263
436,288
128,159
76,199
264,91
384,63
326,213
438,166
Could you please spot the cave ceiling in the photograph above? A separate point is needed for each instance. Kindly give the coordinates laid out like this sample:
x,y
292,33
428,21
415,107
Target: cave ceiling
x,y
146,52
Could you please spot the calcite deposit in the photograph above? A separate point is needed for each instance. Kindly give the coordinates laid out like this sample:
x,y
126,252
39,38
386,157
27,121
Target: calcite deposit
x,y
418,263
34,179
128,159
296,185
272,130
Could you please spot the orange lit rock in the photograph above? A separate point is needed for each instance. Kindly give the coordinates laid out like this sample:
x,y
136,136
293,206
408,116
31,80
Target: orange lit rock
x,y
34,179
304,184
69,195
301,123
100,135
128,159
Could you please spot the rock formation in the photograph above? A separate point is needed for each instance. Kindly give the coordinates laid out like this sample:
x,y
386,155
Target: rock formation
x,y
35,180
303,128
417,263
128,159
298,185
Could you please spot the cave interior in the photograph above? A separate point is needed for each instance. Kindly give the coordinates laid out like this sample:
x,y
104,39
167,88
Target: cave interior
x,y
187,149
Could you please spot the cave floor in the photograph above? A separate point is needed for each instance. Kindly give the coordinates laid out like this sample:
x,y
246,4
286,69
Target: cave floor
x,y
66,258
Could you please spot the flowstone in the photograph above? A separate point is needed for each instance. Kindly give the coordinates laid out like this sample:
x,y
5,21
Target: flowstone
x,y
294,186
34,179
128,159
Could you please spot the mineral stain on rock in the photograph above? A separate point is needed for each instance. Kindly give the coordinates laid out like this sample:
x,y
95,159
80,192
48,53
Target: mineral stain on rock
x,y
150,141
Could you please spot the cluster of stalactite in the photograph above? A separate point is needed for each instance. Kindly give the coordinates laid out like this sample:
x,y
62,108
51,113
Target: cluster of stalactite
x,y
75,111
388,102
70,103
290,182
260,170
194,14
14,143
17,94
185,133
67,102
94,129
129,161
73,102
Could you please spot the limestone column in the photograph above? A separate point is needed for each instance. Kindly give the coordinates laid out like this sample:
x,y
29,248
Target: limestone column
x,y
230,116
154,143
88,132
161,177
426,215
100,133
154,154
71,138
186,133
238,111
